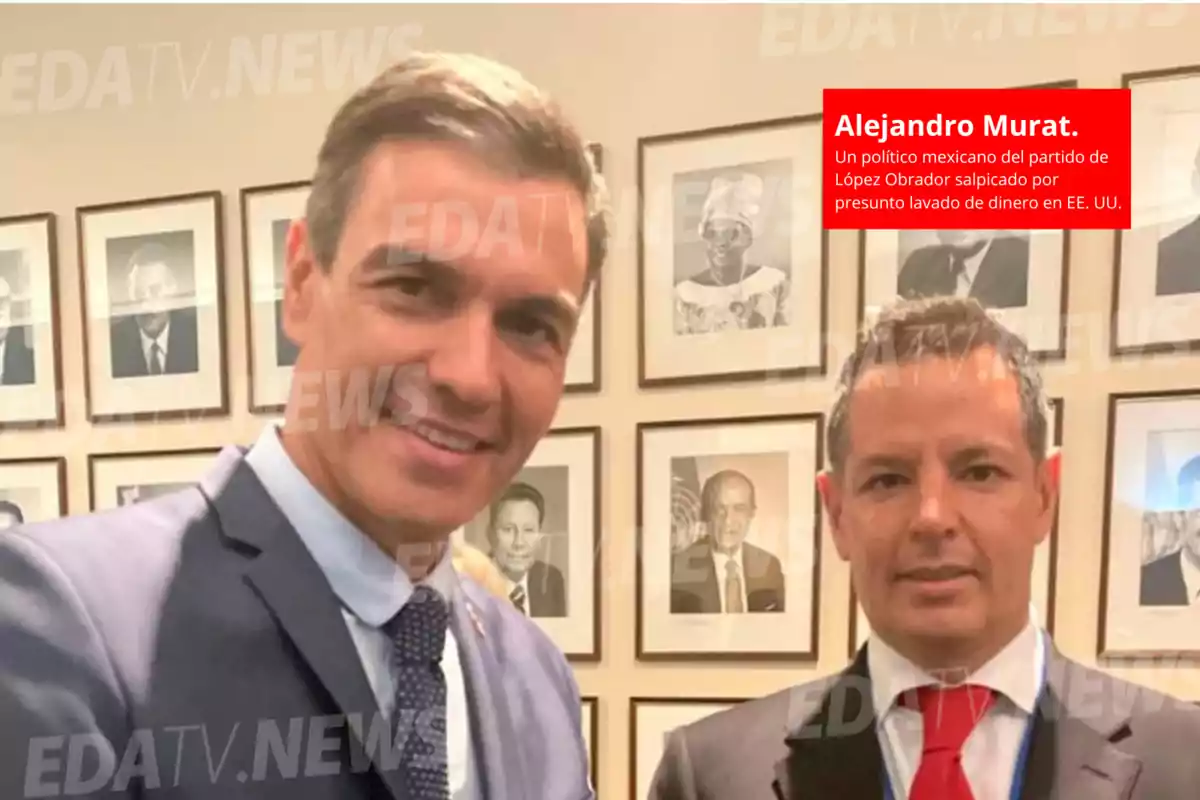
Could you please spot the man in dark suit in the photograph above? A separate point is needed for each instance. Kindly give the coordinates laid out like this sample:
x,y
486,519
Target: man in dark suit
x,y
941,484
16,356
993,269
1179,254
1174,579
10,515
721,572
515,537
160,338
293,627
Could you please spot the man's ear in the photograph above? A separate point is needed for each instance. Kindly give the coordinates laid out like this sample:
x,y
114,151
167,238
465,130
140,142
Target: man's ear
x,y
830,487
1049,482
298,275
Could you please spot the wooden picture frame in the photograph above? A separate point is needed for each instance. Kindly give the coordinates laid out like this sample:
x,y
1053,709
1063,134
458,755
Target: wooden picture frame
x,y
1045,558
556,494
1156,288
138,476
744,198
1151,532
760,475
153,307
651,719
31,390
590,725
32,490
267,213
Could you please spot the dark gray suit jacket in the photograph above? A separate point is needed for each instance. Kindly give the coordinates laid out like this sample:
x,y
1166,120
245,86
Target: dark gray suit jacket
x,y
1095,738
1002,280
190,647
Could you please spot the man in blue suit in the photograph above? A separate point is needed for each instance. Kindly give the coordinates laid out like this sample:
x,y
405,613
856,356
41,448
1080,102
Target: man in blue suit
x,y
293,627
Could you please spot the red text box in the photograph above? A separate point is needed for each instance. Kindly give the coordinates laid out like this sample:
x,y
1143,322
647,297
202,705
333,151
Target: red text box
x,y
1034,158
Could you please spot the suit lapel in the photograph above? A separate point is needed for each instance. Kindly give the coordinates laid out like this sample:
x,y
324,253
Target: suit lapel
x,y
496,742
834,751
292,586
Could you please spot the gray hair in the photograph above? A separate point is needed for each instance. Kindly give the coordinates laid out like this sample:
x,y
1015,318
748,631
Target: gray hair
x,y
464,99
939,327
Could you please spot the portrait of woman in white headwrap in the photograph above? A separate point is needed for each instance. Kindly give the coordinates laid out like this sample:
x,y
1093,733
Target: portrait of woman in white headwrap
x,y
731,292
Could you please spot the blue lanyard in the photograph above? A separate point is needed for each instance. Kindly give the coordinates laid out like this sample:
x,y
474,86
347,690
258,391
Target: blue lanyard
x,y
1018,779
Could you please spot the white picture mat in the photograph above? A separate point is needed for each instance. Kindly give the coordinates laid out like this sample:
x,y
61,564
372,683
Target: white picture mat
x,y
1165,131
652,721
587,710
1129,626
1039,322
36,402
796,345
581,362
41,476
269,381
109,472
791,629
156,393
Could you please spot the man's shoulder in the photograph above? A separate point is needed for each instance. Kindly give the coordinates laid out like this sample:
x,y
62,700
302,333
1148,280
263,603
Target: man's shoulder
x,y
763,720
1103,700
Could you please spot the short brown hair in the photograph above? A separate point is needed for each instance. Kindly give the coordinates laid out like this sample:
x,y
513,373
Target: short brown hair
x,y
938,327
464,99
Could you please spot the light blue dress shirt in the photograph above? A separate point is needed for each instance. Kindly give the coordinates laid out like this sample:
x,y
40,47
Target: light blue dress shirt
x,y
372,588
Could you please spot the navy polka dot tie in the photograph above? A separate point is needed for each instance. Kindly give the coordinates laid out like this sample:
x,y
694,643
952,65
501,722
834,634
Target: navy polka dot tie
x,y
418,634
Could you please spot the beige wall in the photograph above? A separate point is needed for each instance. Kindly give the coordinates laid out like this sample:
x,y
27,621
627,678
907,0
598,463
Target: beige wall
x,y
624,72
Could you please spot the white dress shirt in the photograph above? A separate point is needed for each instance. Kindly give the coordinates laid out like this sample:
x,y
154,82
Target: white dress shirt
x,y
989,757
720,563
373,589
966,279
1191,576
148,344
524,586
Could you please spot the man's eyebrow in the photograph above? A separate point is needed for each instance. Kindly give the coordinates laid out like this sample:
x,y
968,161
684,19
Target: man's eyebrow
x,y
389,257
561,307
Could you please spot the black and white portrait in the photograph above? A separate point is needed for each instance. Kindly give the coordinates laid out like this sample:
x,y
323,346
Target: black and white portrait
x,y
1157,302
267,215
728,538
733,257
17,364
139,493
525,534
1152,528
153,282
152,304
717,567
989,265
1171,525
31,490
125,479
1019,274
542,534
29,377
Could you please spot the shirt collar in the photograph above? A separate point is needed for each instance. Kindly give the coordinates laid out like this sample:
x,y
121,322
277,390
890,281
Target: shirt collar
x,y
368,581
1015,672
161,340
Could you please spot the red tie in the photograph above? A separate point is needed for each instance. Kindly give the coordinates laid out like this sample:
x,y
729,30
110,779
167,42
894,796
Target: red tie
x,y
948,717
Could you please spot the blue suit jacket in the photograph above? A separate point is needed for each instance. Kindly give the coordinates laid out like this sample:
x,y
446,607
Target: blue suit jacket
x,y
190,647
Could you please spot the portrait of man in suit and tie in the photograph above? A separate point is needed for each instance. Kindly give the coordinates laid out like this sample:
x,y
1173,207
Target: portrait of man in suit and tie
x,y
720,572
17,364
990,266
153,328
11,514
1173,578
518,543
1178,266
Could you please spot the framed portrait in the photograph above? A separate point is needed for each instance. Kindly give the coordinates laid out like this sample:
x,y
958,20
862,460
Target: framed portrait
x,y
1150,552
32,490
122,479
1045,560
590,723
1020,276
153,308
543,534
731,254
267,213
1156,285
729,534
651,720
583,362
30,363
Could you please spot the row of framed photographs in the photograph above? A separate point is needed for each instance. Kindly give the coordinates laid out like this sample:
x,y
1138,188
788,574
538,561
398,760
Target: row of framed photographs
x,y
152,285
759,474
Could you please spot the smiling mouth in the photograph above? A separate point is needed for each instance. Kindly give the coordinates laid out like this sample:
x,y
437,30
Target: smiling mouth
x,y
936,574
438,435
